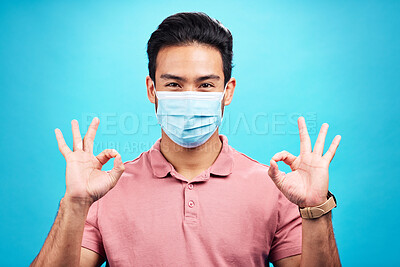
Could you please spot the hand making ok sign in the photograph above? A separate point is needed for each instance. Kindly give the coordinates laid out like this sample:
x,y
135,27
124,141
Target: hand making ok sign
x,y
84,178
307,184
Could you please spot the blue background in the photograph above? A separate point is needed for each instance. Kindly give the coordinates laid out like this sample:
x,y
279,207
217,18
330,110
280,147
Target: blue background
x,y
331,62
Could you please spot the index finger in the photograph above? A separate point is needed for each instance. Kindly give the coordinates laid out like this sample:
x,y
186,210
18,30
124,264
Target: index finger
x,y
305,142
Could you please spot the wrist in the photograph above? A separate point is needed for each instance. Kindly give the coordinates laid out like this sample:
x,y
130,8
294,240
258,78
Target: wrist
x,y
77,202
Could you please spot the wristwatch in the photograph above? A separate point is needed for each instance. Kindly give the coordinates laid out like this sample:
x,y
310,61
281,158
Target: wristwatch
x,y
318,211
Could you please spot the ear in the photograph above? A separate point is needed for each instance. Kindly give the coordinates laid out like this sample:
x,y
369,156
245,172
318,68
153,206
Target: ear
x,y
150,90
230,89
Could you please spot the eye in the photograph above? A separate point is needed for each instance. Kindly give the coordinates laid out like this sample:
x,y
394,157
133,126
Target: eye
x,y
172,85
206,85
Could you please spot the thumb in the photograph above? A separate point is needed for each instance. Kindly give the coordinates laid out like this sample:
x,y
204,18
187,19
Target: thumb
x,y
117,170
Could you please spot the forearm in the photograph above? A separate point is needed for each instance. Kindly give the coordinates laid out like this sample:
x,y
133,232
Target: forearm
x,y
319,245
63,244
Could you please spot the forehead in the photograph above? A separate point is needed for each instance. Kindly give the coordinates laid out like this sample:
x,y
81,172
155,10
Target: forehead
x,y
189,60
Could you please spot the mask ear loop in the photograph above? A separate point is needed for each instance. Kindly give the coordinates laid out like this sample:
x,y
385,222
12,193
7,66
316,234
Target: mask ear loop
x,y
154,86
155,91
224,92
222,97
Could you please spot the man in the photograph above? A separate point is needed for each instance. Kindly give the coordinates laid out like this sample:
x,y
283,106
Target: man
x,y
192,200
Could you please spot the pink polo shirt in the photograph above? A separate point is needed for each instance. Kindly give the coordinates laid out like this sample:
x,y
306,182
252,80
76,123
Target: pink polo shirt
x,y
232,214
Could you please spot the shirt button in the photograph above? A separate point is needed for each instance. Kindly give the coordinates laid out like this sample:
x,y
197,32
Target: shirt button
x,y
191,204
190,186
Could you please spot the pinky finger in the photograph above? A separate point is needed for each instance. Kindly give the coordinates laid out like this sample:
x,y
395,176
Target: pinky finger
x,y
332,149
62,146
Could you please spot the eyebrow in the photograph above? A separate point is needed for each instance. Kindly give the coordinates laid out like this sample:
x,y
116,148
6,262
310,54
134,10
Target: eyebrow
x,y
199,79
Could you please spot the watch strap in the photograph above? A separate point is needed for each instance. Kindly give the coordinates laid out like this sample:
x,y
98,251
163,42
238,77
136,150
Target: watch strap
x,y
318,211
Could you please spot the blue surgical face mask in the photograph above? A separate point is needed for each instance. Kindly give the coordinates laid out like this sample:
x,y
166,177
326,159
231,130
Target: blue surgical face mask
x,y
189,118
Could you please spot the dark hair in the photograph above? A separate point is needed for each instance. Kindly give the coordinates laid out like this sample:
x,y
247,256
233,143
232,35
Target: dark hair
x,y
188,28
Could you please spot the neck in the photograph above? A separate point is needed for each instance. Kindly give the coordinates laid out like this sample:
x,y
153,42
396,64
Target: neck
x,y
190,162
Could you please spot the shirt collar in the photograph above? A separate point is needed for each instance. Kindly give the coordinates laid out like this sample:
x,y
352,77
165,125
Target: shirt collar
x,y
222,166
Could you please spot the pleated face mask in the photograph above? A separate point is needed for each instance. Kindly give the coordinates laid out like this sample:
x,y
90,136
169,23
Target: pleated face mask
x,y
189,118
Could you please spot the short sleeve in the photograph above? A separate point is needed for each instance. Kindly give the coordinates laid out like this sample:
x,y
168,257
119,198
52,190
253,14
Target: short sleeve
x,y
91,234
288,236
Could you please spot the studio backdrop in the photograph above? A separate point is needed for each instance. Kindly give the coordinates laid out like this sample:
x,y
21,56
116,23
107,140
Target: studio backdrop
x,y
327,61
